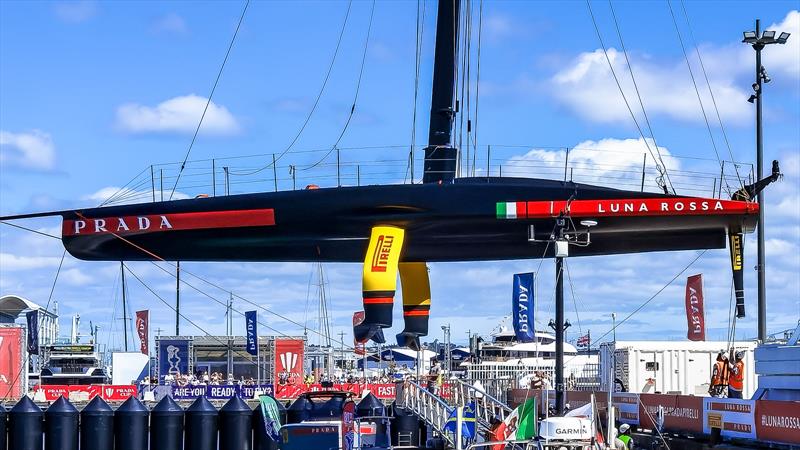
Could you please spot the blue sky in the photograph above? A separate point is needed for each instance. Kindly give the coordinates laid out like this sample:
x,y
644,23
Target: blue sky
x,y
93,93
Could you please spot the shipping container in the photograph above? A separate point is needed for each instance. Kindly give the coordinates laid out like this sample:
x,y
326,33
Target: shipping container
x,y
677,367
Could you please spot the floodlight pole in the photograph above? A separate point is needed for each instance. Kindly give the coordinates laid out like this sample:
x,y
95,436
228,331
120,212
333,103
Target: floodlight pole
x,y
760,267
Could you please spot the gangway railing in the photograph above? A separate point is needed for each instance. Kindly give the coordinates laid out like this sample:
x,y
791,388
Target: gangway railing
x,y
486,406
428,407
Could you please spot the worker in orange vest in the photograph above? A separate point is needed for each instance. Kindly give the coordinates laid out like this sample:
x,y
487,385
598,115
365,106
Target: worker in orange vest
x,y
736,385
719,377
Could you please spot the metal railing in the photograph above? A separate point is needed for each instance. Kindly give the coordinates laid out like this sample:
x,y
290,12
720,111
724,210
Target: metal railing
x,y
428,407
486,406
497,379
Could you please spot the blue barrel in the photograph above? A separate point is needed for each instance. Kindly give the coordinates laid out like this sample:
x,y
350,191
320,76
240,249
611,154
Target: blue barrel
x,y
2,427
299,410
25,425
201,425
130,425
235,425
97,425
61,426
166,427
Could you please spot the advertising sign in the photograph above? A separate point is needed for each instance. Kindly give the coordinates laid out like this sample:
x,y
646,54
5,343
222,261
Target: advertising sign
x,y
117,392
251,331
32,317
695,318
384,391
628,406
12,358
142,329
522,307
173,358
289,359
736,418
219,392
188,392
778,421
358,345
681,412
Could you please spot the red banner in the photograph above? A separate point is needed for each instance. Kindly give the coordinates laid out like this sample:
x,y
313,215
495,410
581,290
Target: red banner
x,y
111,392
142,328
11,362
289,361
360,347
695,318
778,421
681,412
384,391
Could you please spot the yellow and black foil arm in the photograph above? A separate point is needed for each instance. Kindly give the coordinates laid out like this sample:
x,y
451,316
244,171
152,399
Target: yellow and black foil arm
x,y
416,303
379,280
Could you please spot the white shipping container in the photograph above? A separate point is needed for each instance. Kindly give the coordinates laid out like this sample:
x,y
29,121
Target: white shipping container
x,y
675,367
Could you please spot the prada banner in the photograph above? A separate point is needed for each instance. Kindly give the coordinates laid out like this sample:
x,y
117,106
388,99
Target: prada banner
x,y
522,307
695,318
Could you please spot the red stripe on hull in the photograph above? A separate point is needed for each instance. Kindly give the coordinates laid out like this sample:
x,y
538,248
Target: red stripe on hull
x,y
169,222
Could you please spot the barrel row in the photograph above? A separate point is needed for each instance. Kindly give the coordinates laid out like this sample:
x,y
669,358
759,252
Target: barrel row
x,y
132,426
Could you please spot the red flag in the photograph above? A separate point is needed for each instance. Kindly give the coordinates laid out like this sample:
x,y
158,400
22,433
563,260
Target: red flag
x,y
142,325
584,341
694,308
360,347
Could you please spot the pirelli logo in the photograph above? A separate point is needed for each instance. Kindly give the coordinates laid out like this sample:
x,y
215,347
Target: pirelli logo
x,y
736,251
380,257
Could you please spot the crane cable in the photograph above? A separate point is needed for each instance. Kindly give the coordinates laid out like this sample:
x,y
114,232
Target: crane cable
x,y
208,102
355,96
694,84
313,107
663,173
713,99
638,94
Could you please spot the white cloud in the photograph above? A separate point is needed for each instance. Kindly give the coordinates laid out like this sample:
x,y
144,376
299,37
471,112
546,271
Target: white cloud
x,y
170,24
75,277
609,162
176,115
784,59
30,150
588,87
12,262
75,11
498,26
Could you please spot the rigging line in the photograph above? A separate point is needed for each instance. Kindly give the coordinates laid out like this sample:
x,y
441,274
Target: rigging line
x,y
200,291
418,63
112,322
240,352
477,87
646,302
24,366
711,93
30,229
638,94
208,102
123,187
355,97
574,301
694,82
316,101
662,170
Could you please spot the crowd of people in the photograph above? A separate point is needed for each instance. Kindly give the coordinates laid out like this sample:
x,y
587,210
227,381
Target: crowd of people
x,y
203,378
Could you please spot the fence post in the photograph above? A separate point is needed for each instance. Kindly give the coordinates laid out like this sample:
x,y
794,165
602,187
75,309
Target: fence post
x,y
61,426
227,180
411,162
166,429
644,164
714,187
488,162
97,425
153,182
201,425
338,170
358,175
25,425
235,425
161,179
566,162
721,178
213,177
130,425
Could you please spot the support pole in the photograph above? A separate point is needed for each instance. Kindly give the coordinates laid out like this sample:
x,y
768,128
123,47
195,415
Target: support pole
x,y
559,336
644,164
153,182
213,177
178,299
338,169
124,304
762,287
274,172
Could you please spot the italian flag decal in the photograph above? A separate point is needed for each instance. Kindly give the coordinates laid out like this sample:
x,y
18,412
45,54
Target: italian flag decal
x,y
511,210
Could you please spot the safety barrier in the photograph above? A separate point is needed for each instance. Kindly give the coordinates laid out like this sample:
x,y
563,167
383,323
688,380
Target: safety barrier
x,y
132,426
754,420
486,406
